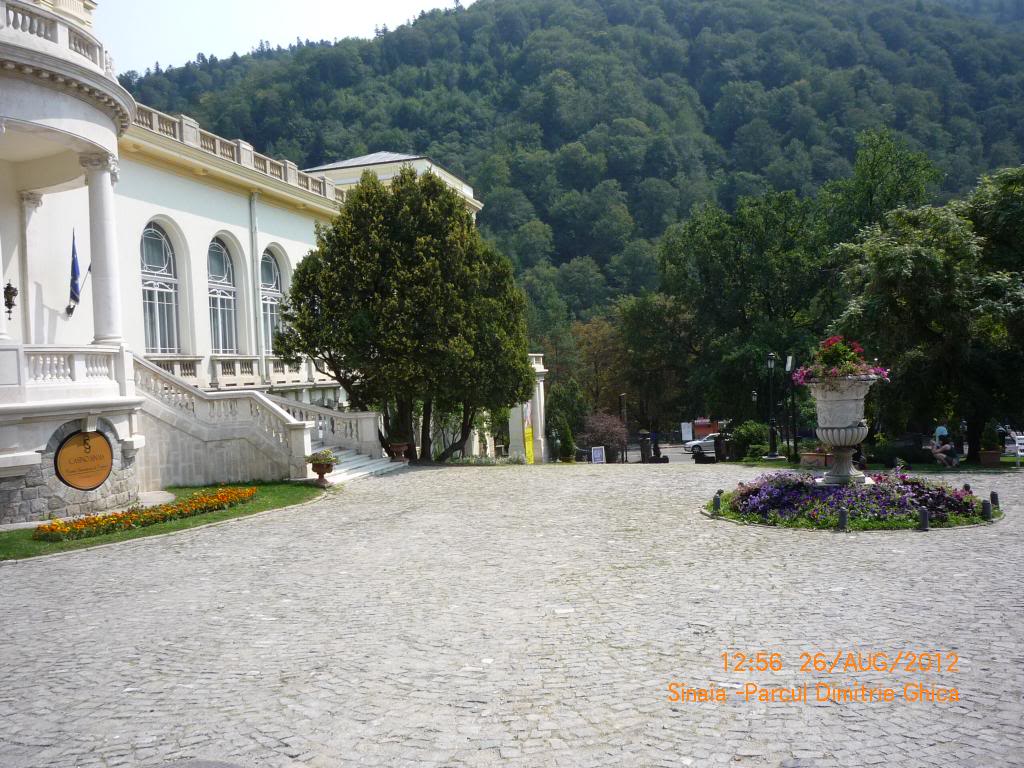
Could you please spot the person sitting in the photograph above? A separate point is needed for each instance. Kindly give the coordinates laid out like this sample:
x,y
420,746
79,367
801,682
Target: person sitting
x,y
945,452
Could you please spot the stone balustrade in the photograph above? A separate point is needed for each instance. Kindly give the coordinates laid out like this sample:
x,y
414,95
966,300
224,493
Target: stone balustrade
x,y
282,374
35,374
352,430
56,27
229,413
234,371
183,366
187,131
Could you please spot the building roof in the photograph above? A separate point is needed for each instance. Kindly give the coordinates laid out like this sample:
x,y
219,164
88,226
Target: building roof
x,y
377,158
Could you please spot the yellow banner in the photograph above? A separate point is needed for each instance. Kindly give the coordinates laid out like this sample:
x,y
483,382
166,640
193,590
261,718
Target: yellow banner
x,y
528,442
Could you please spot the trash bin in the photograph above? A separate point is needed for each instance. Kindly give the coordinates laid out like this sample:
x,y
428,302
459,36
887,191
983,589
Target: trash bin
x,y
721,448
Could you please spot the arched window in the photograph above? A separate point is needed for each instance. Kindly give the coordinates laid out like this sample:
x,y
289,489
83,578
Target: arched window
x,y
223,299
272,292
159,292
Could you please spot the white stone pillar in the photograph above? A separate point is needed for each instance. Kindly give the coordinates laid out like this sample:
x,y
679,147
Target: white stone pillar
x,y
4,335
30,202
100,175
516,446
537,412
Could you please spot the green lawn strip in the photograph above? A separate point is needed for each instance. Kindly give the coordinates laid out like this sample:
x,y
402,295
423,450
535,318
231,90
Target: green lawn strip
x,y
17,545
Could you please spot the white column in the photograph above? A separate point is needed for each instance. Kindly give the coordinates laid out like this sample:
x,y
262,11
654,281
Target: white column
x,y
101,175
4,335
30,202
537,411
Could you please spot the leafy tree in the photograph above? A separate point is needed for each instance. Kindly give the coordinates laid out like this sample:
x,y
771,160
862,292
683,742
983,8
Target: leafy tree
x,y
582,284
886,175
566,401
997,210
660,348
601,370
752,278
635,269
405,305
927,304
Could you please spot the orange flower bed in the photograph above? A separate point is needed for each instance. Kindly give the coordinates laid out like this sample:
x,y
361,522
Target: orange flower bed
x,y
97,525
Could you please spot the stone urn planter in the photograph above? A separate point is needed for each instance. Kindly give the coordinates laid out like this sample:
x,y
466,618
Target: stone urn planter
x,y
841,425
322,463
399,449
320,470
990,458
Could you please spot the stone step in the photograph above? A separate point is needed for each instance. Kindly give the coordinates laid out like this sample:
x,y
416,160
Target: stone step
x,y
348,471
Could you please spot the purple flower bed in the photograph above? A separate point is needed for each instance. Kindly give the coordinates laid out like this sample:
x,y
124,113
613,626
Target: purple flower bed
x,y
793,499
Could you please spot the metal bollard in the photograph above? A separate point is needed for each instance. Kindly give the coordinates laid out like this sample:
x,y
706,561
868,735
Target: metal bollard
x,y
995,499
924,518
986,511
843,519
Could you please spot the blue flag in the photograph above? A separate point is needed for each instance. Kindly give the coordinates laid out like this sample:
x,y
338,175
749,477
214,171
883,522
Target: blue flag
x,y
76,290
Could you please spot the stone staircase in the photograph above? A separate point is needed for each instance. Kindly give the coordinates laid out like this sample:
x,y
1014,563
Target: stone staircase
x,y
356,466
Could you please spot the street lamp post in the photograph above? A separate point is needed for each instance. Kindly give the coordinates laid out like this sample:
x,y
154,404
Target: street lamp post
x,y
622,415
773,437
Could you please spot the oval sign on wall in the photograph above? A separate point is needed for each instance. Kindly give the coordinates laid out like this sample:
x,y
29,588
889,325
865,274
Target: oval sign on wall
x,y
84,460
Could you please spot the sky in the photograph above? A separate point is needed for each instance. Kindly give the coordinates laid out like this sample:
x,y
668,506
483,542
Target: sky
x,y
139,33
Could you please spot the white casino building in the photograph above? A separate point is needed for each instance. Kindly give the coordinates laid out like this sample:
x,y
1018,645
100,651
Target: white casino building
x,y
185,243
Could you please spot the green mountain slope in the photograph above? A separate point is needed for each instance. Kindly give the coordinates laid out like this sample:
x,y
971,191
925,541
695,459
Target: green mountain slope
x,y
588,126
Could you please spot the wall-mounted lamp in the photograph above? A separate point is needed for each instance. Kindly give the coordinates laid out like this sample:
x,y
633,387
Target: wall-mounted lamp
x,y
10,294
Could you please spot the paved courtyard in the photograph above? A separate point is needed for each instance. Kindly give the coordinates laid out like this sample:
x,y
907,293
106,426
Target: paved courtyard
x,y
509,616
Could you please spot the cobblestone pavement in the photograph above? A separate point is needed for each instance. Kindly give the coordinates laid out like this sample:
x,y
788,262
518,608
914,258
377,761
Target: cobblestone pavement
x,y
508,616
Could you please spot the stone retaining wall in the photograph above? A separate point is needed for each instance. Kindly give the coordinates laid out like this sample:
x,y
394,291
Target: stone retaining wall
x,y
39,494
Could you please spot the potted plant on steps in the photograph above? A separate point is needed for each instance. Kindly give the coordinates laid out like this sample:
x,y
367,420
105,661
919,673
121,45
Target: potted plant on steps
x,y
323,464
991,453
399,445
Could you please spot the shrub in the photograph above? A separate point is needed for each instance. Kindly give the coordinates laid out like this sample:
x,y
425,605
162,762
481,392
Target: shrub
x,y
990,437
137,517
757,450
607,430
887,452
567,447
566,400
747,434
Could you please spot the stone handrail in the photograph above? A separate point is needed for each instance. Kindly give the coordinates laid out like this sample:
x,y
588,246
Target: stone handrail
x,y
187,131
353,430
60,32
245,410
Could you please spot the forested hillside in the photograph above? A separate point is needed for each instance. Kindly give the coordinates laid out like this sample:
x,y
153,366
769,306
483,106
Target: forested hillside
x,y
1002,11
588,126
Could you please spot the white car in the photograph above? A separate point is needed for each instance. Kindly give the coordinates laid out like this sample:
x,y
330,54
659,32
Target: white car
x,y
704,445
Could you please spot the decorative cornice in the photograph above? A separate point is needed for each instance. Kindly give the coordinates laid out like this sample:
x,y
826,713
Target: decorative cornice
x,y
68,77
101,161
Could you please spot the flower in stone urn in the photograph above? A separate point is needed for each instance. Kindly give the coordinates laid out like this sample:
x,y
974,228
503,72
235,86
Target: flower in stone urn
x,y
838,358
839,378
